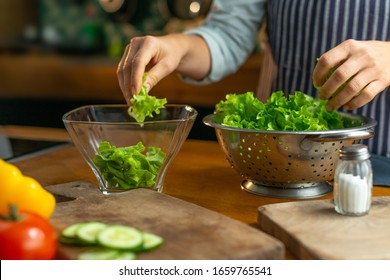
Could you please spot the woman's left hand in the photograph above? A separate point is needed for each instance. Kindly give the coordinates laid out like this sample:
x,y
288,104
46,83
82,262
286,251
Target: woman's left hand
x,y
361,70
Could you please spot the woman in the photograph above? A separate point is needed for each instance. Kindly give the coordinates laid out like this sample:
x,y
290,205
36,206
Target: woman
x,y
350,35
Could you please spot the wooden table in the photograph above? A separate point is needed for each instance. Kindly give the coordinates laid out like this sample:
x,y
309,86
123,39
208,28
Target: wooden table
x,y
199,174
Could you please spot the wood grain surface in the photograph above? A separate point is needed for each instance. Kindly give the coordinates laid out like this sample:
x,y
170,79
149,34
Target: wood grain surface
x,y
313,230
189,231
200,174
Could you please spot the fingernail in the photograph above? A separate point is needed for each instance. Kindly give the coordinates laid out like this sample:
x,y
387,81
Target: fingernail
x,y
133,90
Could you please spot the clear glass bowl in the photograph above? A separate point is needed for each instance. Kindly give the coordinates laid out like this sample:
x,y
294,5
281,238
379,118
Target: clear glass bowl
x,y
89,126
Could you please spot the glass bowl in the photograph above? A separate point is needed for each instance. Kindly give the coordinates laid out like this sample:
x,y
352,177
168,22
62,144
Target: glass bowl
x,y
119,170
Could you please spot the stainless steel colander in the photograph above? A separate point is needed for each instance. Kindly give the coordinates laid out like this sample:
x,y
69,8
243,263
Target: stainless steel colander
x,y
288,164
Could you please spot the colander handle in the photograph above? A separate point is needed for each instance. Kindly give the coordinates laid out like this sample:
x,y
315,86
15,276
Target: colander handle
x,y
351,135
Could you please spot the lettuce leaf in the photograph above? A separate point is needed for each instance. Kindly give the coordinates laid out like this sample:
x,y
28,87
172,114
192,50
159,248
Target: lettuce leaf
x,y
143,105
297,112
129,167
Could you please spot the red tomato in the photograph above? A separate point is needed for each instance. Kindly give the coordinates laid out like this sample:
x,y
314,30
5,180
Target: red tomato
x,y
30,238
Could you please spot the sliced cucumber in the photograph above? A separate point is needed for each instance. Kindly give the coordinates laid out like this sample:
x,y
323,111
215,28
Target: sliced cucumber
x,y
118,242
120,237
68,235
70,231
88,232
126,255
151,241
99,254
70,241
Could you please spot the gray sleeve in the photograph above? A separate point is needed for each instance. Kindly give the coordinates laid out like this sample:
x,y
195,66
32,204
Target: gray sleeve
x,y
230,32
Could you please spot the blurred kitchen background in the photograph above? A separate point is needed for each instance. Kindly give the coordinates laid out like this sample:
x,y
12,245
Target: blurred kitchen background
x,y
56,55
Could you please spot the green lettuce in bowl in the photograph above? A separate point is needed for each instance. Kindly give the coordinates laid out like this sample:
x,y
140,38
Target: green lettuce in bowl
x,y
297,112
129,167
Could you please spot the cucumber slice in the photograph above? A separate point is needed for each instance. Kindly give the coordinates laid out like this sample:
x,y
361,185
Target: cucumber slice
x,y
68,235
125,255
71,241
70,231
88,232
151,241
120,237
99,254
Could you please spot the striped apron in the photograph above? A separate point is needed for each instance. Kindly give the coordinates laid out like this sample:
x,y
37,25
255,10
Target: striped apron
x,y
299,31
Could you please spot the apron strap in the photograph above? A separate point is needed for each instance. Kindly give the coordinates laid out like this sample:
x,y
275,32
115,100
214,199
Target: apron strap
x,y
268,70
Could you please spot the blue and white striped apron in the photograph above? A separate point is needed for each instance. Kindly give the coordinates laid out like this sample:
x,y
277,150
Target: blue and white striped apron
x,y
301,30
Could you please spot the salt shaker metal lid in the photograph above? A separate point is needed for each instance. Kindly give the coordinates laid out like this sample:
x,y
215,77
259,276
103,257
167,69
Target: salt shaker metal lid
x,y
354,152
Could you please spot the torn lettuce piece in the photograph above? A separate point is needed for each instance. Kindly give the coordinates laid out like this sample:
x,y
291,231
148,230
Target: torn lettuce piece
x,y
143,105
129,167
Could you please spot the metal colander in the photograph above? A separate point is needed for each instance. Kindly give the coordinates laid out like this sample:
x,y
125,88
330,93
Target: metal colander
x,y
288,164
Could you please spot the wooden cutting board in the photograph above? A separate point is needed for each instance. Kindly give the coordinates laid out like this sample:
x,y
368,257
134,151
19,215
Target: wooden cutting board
x,y
189,231
313,230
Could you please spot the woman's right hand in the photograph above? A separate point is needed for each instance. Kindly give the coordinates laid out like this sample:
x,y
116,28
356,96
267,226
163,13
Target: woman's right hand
x,y
160,56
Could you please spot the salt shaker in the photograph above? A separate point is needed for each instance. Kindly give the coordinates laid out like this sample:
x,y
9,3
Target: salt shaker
x,y
353,181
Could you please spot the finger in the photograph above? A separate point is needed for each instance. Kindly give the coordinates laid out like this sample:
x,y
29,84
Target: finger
x,y
320,72
331,60
339,78
119,72
366,95
327,63
158,72
131,84
146,54
351,89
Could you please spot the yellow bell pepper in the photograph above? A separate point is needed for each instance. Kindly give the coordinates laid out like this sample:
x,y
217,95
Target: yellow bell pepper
x,y
23,191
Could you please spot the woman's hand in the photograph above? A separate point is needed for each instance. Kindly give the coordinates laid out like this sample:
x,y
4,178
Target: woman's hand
x,y
362,68
160,56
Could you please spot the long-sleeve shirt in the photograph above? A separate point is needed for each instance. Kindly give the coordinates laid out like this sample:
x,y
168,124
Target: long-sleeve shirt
x,y
299,31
